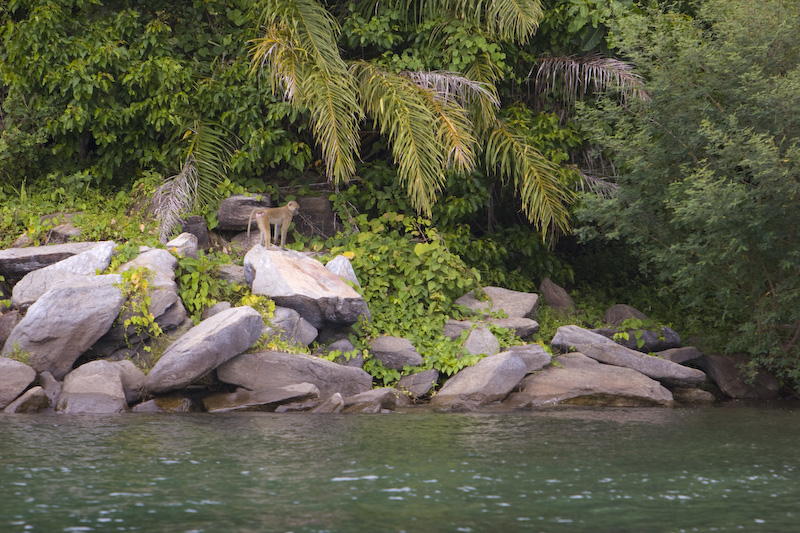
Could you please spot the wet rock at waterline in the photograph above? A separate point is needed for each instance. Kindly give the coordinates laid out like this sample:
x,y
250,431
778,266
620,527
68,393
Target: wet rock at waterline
x,y
15,377
205,347
489,380
596,346
93,388
580,380
302,283
34,400
725,371
263,400
419,384
63,324
263,371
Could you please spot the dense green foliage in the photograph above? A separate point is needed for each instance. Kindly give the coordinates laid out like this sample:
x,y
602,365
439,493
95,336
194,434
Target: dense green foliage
x,y
709,194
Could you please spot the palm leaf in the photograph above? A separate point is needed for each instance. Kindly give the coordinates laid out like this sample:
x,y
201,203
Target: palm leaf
x,y
401,111
545,198
574,76
177,195
298,51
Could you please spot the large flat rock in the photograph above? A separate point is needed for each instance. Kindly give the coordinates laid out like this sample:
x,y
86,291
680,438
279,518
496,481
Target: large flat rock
x,y
16,262
596,346
264,371
580,380
488,381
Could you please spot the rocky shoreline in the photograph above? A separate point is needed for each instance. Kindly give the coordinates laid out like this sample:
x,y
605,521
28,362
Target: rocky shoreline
x,y
66,346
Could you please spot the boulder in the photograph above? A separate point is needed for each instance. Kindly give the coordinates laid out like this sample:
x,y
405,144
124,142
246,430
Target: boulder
x,y
215,309
334,404
651,341
64,323
232,274
619,313
692,396
580,380
488,381
556,297
523,328
8,321
301,283
681,355
481,341
419,384
533,355
171,403
196,225
318,218
52,388
605,350
161,265
234,212
263,400
132,380
372,401
15,377
395,352
206,346
33,401
291,327
724,370
93,388
271,370
514,303
341,266
184,245
15,263
77,269
344,346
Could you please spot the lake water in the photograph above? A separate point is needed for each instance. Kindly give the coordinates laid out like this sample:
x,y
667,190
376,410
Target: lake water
x,y
594,470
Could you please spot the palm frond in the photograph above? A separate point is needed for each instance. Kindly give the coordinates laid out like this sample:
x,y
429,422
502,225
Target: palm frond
x,y
402,113
211,152
177,195
485,72
574,76
445,94
298,50
545,198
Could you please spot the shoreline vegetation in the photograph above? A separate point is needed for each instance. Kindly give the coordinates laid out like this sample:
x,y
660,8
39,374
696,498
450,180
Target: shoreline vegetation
x,y
547,161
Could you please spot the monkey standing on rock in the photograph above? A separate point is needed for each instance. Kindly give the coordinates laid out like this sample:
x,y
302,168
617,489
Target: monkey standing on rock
x,y
280,217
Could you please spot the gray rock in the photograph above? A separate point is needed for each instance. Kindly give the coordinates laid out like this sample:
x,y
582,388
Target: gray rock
x,y
33,401
215,309
161,265
291,327
270,370
301,283
15,263
93,388
341,266
206,346
617,314
171,403
523,328
607,351
263,400
334,404
232,274
488,381
556,297
580,380
395,352
15,377
692,396
8,321
681,355
651,340
533,355
514,303
52,388
196,225
132,378
372,401
317,217
481,341
234,212
77,269
454,328
63,324
185,245
724,371
419,384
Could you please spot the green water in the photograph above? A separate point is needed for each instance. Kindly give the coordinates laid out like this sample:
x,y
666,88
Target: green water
x,y
615,470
